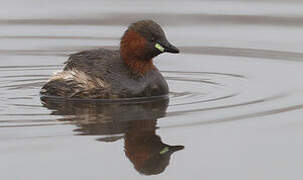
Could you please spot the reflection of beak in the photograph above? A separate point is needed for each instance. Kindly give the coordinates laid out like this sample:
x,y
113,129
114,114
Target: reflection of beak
x,y
175,148
166,47
171,149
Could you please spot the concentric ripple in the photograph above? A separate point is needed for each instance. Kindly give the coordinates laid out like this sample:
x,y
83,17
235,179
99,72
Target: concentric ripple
x,y
191,93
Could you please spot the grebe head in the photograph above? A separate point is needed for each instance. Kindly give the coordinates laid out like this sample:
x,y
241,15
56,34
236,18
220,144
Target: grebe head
x,y
145,39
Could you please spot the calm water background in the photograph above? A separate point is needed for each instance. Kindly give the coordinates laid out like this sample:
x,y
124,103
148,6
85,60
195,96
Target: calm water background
x,y
235,103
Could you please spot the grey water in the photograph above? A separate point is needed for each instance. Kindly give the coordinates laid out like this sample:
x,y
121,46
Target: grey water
x,y
234,109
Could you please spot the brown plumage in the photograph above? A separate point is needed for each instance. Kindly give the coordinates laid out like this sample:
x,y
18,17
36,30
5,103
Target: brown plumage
x,y
124,73
132,49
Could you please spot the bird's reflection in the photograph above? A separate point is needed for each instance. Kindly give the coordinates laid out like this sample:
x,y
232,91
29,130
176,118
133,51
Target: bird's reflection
x,y
135,122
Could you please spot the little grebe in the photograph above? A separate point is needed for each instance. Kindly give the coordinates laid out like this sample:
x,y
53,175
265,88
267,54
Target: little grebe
x,y
109,74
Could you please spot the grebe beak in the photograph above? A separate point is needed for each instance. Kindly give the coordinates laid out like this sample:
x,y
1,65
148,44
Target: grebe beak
x,y
166,47
171,149
171,48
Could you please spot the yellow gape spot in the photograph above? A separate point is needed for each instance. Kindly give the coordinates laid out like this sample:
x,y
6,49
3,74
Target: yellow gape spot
x,y
158,46
164,150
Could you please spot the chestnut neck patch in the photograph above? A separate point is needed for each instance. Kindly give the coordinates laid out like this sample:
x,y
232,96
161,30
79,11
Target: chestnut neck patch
x,y
133,49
